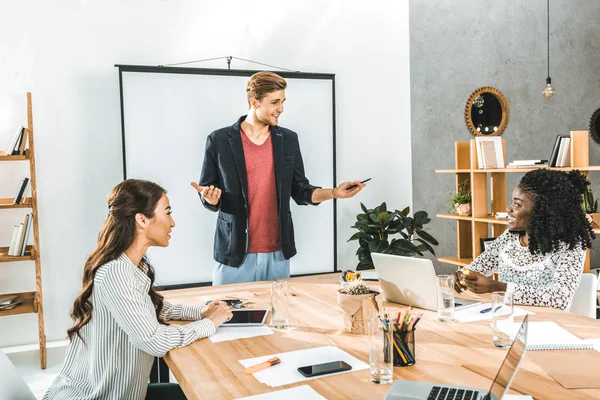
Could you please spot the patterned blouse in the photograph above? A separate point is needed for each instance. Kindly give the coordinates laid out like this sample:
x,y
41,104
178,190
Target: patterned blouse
x,y
548,280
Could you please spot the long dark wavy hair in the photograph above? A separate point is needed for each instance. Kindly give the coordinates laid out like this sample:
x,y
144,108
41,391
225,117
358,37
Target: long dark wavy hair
x,y
557,214
127,199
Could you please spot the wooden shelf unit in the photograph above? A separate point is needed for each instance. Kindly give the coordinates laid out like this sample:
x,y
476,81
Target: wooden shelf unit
x,y
28,305
7,202
489,199
31,301
4,157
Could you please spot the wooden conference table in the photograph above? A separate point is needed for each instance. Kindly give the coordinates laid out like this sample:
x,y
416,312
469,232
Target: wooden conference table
x,y
450,353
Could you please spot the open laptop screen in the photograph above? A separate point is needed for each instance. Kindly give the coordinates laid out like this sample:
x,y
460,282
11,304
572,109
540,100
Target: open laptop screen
x,y
508,369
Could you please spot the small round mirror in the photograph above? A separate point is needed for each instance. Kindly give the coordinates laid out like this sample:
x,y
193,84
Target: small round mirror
x,y
486,112
595,126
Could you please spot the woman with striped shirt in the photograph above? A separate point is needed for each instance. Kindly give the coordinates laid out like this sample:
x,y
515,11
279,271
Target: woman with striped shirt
x,y
119,316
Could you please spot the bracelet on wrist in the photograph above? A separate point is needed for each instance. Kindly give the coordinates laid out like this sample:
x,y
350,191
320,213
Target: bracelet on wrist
x,y
333,193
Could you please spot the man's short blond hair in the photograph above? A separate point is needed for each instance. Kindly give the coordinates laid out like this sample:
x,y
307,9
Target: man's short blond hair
x,y
263,83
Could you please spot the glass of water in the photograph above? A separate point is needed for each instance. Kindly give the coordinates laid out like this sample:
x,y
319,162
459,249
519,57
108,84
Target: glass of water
x,y
502,318
279,304
381,361
445,298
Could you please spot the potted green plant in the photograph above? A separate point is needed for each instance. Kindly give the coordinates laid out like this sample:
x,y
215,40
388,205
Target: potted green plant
x,y
460,201
376,226
590,207
359,304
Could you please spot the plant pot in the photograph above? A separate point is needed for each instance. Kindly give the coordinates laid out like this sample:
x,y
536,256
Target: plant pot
x,y
594,219
358,310
463,209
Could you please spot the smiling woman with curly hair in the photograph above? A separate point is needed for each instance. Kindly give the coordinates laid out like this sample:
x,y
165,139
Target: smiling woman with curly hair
x,y
539,258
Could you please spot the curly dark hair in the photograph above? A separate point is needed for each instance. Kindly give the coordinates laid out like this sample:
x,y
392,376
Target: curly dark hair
x,y
557,214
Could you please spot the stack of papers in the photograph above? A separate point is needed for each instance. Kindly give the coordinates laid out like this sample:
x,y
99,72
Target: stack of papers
x,y
501,215
303,392
475,313
225,333
287,373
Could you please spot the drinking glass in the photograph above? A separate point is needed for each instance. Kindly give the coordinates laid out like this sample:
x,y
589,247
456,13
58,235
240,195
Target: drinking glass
x,y
279,304
502,318
381,362
445,298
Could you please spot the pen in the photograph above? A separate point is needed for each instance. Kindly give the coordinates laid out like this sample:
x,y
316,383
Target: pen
x,y
488,310
354,186
262,365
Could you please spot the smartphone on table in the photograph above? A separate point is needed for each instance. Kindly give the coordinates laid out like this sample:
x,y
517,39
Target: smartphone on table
x,y
324,369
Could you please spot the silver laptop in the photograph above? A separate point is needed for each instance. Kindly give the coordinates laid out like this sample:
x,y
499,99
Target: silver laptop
x,y
414,390
411,281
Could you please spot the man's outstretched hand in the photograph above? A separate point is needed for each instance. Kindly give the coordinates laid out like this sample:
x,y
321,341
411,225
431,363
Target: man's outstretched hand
x,y
210,194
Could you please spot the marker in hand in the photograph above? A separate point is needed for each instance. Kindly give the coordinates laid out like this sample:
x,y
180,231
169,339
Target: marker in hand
x,y
355,186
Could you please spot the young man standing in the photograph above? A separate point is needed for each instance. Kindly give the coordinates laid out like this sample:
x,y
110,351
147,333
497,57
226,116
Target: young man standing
x,y
250,171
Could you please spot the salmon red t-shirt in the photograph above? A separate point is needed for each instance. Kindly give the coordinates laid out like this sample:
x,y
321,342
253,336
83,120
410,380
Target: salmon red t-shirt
x,y
263,221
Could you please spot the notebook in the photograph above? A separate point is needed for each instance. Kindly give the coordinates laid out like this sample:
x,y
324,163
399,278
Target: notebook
x,y
550,336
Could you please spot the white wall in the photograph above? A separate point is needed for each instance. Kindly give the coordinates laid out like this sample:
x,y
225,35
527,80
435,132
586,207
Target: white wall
x,y
64,52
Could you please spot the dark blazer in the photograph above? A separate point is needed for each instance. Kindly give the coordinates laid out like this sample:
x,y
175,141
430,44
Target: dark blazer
x,y
225,167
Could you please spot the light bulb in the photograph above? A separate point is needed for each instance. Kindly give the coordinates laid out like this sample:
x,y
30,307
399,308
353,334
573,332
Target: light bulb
x,y
548,90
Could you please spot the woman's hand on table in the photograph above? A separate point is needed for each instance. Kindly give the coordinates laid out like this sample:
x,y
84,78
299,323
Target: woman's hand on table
x,y
218,312
478,283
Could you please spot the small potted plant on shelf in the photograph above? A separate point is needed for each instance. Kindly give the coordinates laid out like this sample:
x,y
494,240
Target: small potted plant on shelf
x,y
590,207
460,202
376,226
359,304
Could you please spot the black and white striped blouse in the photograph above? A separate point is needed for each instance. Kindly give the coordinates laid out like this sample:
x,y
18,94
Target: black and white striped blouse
x,y
123,337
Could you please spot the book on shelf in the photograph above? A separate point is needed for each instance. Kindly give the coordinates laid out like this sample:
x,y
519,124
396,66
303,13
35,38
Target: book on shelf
x,y
15,141
13,241
528,162
563,154
22,190
489,152
27,231
23,144
22,242
555,156
501,215
533,165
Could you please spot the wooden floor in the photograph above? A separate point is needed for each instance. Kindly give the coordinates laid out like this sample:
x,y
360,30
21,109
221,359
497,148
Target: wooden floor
x,y
450,353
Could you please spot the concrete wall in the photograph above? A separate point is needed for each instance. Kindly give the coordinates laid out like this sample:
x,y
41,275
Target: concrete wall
x,y
458,46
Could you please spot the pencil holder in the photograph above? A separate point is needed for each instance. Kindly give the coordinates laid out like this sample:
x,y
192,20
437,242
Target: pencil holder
x,y
404,348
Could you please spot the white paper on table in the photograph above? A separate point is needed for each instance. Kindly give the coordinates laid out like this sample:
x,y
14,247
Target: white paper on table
x,y
287,373
225,333
472,314
516,397
303,392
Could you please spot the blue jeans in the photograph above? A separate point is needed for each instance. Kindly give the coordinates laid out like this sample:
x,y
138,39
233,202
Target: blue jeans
x,y
256,267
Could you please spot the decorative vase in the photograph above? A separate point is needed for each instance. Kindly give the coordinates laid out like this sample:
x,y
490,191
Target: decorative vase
x,y
358,310
463,209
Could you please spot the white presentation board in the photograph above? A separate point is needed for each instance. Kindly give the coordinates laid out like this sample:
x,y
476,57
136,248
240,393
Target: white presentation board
x,y
167,113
